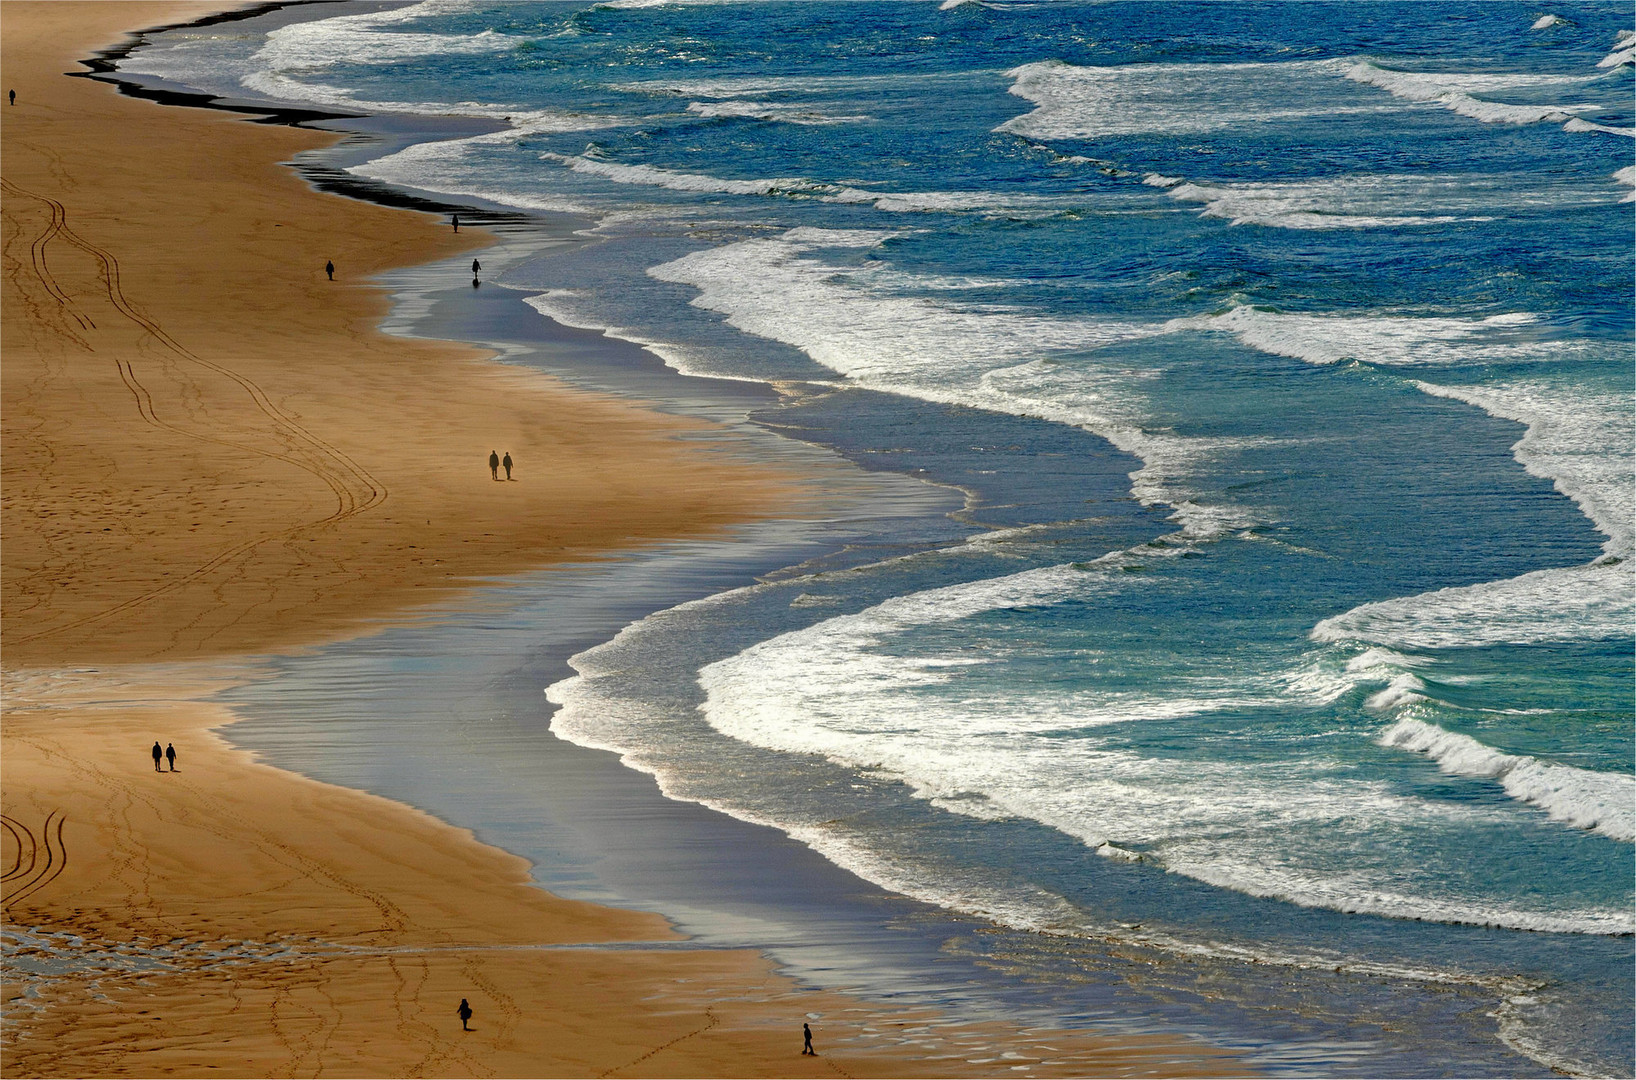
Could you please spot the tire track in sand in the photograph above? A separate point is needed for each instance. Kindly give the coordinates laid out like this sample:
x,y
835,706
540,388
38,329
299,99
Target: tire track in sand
x,y
56,856
355,489
42,268
22,838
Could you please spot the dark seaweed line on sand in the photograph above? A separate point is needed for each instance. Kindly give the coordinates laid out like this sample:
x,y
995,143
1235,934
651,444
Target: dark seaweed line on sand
x,y
104,67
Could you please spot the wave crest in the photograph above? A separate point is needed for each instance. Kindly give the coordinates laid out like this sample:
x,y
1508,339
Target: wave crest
x,y
1601,802
1457,91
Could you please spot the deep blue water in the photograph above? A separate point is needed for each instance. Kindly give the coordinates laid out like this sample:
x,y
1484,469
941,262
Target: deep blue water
x,y
1284,354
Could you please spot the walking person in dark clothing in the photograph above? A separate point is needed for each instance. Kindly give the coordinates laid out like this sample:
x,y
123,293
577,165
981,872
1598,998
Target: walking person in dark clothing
x,y
329,268
465,1014
475,266
457,223
157,754
13,94
494,464
170,756
806,1033
506,461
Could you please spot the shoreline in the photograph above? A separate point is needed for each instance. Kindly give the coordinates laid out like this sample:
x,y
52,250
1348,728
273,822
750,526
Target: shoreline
x,y
464,336
906,961
187,950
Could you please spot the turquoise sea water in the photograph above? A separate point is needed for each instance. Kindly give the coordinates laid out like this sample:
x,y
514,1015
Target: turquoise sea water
x,y
1283,353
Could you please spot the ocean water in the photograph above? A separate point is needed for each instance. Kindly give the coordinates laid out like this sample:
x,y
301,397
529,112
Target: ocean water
x,y
1282,353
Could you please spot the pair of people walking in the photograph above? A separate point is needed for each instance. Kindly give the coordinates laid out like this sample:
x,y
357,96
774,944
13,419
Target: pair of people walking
x,y
496,463
167,754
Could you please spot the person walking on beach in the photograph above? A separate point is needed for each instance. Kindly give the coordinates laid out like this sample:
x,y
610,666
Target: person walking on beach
x,y
494,464
157,754
806,1033
329,268
170,756
475,267
506,461
13,94
457,223
465,1014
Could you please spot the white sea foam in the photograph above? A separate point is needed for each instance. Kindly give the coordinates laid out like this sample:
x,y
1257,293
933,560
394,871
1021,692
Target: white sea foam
x,y
851,689
1545,22
1395,340
675,180
291,62
808,236
290,66
1320,680
771,111
1627,177
985,202
759,86
1372,660
1581,441
1624,50
798,187
594,712
1404,690
988,358
1347,893
294,55
1180,99
374,37
1577,603
1370,201
447,167
1579,125
1176,99
1457,91
1350,202
1601,802
634,5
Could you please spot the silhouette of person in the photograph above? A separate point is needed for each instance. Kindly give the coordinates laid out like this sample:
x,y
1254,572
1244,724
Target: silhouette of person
x,y
13,94
465,1014
329,268
806,1034
506,461
157,754
475,267
457,223
170,756
494,464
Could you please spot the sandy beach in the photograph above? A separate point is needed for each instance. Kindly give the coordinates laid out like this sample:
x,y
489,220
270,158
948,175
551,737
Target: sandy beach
x,y
212,455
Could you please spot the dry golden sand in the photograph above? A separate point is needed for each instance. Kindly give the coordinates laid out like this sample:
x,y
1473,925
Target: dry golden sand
x,y
209,453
